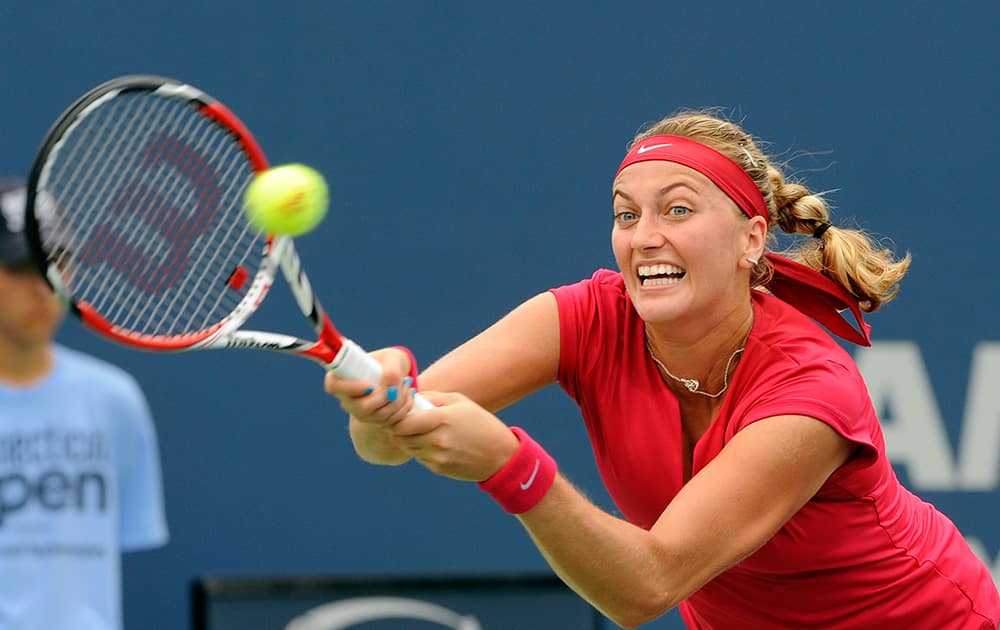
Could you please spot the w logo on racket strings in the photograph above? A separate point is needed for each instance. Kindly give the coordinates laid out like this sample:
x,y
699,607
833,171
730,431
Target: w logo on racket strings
x,y
151,197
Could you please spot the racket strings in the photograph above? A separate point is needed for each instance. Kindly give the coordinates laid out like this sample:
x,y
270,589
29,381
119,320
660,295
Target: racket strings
x,y
168,302
151,223
105,295
220,265
111,298
94,187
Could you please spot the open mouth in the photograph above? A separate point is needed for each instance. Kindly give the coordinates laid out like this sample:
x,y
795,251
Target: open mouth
x,y
660,275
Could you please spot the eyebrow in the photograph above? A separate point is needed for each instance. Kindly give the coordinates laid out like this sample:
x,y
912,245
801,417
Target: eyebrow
x,y
616,191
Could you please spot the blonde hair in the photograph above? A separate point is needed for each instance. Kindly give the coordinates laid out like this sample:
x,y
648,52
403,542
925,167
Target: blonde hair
x,y
850,257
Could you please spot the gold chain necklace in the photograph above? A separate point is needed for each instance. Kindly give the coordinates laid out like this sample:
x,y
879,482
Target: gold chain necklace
x,y
692,384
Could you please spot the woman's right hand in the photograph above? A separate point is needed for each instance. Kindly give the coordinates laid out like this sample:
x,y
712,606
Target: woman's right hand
x,y
375,407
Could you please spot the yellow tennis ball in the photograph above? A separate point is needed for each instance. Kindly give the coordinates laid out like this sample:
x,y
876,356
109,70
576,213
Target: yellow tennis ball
x,y
290,199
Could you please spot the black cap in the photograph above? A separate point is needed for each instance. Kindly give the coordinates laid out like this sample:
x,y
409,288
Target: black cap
x,y
14,248
13,243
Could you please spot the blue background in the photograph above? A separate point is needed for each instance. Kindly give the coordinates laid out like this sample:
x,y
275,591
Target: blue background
x,y
470,148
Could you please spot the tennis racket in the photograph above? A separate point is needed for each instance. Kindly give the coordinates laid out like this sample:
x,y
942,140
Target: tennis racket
x,y
135,217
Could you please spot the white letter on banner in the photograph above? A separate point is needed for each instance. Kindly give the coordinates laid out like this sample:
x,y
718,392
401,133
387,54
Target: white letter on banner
x,y
914,433
979,449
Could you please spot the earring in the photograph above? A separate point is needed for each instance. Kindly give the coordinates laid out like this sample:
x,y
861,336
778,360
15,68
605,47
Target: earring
x,y
752,261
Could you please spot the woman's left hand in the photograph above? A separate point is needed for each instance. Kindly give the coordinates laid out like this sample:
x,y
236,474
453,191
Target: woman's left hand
x,y
457,439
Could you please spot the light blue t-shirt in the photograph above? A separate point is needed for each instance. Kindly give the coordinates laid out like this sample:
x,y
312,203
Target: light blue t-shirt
x,y
79,483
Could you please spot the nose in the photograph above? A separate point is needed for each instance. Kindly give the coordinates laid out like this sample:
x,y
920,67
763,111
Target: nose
x,y
649,233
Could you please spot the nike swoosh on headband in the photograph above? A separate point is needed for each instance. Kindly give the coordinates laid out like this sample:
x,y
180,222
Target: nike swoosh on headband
x,y
651,147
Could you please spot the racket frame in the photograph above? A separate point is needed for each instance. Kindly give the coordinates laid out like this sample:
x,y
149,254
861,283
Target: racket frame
x,y
331,350
279,250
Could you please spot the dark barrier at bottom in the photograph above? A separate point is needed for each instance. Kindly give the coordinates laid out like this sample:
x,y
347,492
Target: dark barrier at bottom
x,y
517,602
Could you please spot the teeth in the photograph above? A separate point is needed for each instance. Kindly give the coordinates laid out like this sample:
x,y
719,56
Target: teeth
x,y
656,270
659,282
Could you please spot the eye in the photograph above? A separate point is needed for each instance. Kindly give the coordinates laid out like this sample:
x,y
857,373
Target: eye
x,y
626,217
678,211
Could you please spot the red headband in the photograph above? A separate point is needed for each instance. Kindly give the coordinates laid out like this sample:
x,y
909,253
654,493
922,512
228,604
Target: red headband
x,y
803,287
724,173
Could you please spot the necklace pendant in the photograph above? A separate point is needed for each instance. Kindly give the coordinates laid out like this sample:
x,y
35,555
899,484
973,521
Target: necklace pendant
x,y
691,383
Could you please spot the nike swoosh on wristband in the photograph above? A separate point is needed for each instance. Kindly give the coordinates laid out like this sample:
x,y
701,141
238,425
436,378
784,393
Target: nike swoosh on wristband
x,y
527,484
654,146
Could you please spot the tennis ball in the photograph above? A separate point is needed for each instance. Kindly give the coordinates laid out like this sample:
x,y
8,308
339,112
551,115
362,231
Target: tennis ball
x,y
290,199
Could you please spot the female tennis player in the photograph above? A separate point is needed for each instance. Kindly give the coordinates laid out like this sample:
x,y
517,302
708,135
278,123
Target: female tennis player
x,y
735,435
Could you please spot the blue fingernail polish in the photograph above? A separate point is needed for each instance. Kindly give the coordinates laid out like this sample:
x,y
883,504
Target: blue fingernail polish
x,y
367,391
391,393
407,380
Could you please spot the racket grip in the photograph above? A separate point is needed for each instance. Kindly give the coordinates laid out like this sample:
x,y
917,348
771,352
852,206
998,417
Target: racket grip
x,y
352,361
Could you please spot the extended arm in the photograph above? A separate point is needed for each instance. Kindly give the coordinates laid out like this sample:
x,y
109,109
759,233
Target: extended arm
x,y
766,473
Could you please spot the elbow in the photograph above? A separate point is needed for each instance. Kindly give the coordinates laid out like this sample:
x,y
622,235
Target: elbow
x,y
636,618
633,620
628,624
641,610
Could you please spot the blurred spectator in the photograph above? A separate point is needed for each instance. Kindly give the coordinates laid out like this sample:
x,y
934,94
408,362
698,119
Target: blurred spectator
x,y
79,464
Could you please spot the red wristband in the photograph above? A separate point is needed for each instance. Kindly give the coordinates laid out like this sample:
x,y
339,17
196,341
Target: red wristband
x,y
413,364
524,480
